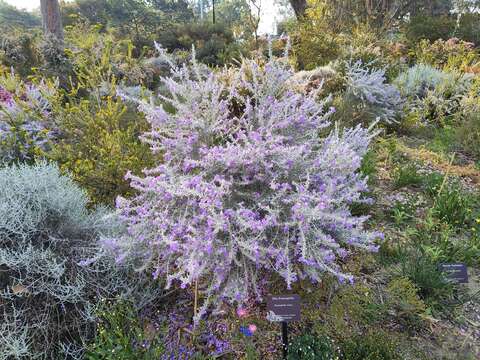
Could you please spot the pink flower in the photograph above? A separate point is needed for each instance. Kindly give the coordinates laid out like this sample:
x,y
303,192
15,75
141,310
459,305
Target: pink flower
x,y
241,312
252,328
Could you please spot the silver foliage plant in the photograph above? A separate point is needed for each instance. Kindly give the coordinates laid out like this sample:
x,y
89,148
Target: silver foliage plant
x,y
420,79
247,188
369,87
433,93
48,293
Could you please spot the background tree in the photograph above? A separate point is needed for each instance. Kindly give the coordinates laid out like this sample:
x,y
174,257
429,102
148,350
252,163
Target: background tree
x,y
51,18
299,7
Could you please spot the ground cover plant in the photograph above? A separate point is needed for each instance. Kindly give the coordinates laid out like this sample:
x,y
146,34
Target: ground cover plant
x,y
165,166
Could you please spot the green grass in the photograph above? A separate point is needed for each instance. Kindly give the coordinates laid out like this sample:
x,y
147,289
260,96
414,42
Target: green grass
x,y
406,176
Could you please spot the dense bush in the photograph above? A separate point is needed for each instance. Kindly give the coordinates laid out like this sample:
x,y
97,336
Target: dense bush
x,y
433,95
430,27
468,28
48,296
214,44
372,346
468,131
370,95
245,166
421,78
18,50
450,55
26,122
98,143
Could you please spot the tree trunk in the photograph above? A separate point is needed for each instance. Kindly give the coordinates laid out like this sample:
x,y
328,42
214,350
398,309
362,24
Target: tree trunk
x,y
51,17
299,7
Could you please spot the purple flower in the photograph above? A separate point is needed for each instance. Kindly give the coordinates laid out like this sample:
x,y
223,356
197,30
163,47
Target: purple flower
x,y
243,193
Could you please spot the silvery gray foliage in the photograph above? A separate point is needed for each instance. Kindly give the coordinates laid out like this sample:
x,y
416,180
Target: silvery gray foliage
x,y
369,87
48,293
421,79
433,93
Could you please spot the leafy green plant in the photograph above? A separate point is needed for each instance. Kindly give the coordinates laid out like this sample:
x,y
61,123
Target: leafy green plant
x,y
121,335
99,144
453,206
432,183
442,242
467,134
406,176
376,345
369,166
431,283
310,347
404,300
353,308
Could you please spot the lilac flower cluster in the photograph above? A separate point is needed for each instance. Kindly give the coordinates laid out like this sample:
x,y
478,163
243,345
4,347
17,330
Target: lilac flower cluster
x,y
5,96
24,121
247,186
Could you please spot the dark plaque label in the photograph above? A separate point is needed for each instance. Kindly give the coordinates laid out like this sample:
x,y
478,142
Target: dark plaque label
x,y
283,308
455,272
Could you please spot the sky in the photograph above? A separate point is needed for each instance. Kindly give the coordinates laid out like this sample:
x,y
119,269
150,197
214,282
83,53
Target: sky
x,y
267,20
25,4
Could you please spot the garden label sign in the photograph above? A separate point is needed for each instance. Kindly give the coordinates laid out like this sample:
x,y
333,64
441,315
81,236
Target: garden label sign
x,y
283,308
456,272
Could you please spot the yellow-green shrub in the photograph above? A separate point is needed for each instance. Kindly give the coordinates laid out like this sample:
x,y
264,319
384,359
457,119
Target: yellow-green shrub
x,y
404,300
99,143
449,55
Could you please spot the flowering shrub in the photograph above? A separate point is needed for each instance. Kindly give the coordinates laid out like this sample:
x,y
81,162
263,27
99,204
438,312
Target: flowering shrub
x,y
369,87
25,119
247,186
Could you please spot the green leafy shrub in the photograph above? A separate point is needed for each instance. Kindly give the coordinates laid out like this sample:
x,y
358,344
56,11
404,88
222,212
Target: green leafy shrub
x,y
453,206
467,132
55,62
18,51
376,345
121,335
99,144
421,271
214,44
352,309
450,55
404,300
98,58
309,347
430,27
468,28
314,44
